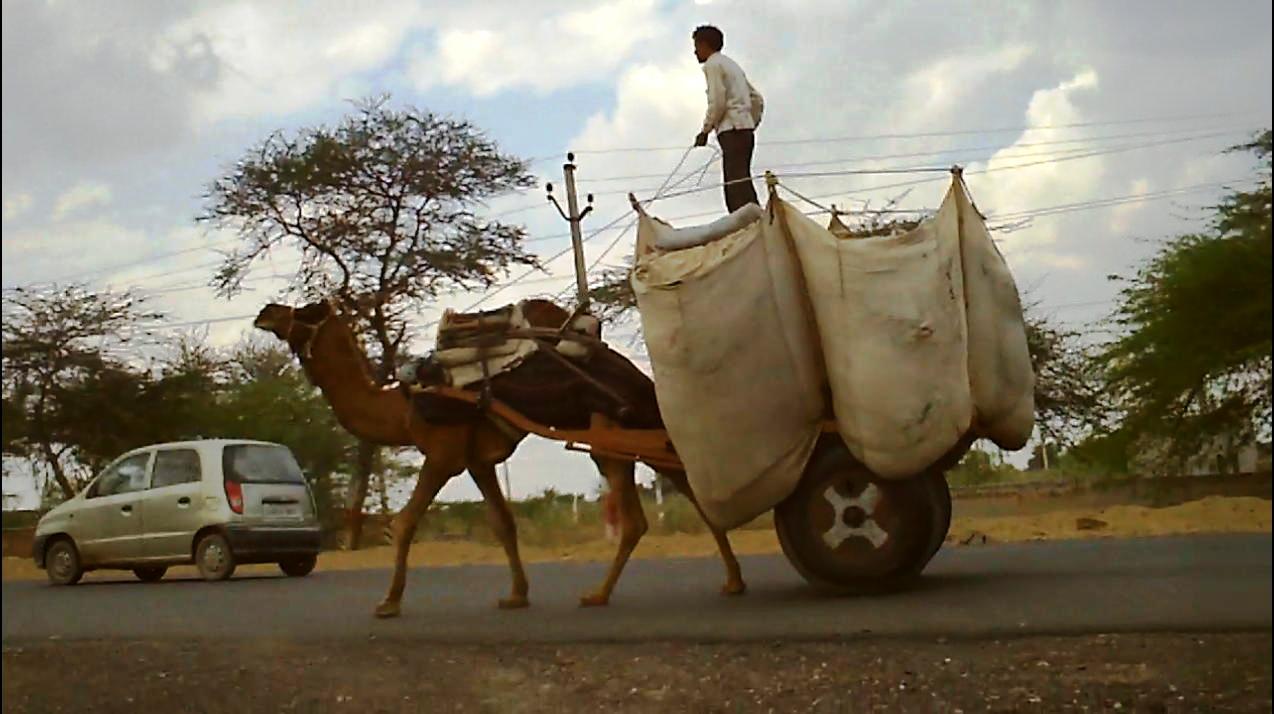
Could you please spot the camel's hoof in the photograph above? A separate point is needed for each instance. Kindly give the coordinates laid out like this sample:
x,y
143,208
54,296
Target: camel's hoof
x,y
594,600
737,587
387,609
513,603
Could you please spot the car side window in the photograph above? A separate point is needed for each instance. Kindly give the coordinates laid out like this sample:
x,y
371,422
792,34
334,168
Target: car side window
x,y
124,477
175,467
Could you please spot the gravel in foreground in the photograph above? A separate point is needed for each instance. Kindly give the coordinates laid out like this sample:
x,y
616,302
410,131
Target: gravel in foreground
x,y
1131,673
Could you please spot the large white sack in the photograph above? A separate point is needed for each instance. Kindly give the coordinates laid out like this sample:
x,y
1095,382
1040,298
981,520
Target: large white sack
x,y
736,365
891,320
1000,372
665,237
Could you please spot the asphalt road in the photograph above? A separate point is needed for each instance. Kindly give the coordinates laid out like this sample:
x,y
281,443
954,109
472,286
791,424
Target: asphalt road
x,y
1199,583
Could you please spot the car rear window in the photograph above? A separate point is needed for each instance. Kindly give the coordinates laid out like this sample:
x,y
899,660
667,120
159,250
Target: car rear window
x,y
256,463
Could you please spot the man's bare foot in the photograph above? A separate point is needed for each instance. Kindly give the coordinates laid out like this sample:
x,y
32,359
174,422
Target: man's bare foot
x,y
388,608
594,600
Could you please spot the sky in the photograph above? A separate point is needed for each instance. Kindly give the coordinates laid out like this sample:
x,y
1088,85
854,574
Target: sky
x,y
116,116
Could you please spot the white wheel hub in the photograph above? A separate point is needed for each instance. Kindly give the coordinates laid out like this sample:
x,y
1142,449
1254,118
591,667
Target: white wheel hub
x,y
842,531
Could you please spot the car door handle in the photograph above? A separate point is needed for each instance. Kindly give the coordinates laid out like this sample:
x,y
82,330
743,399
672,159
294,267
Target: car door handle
x,y
183,501
126,509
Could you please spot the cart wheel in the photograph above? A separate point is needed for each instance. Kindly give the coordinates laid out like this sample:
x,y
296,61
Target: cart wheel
x,y
940,496
846,529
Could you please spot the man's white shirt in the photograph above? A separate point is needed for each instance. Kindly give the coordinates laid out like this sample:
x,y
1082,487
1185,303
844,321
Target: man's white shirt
x,y
733,103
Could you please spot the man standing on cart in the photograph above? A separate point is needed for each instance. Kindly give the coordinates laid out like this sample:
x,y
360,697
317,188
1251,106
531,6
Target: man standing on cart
x,y
734,112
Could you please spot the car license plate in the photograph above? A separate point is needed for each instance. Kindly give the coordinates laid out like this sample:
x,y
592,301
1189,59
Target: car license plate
x,y
288,511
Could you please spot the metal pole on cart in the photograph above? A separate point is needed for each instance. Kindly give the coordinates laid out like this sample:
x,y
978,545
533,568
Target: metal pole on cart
x,y
574,217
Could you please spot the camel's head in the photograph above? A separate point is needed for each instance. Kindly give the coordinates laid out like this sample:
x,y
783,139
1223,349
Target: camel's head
x,y
275,318
295,325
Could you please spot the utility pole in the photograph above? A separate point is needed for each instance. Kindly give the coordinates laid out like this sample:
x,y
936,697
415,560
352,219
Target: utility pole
x,y
508,490
574,217
659,495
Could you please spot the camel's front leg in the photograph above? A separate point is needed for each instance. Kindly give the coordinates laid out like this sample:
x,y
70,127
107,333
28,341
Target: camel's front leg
x,y
433,475
505,529
632,524
734,584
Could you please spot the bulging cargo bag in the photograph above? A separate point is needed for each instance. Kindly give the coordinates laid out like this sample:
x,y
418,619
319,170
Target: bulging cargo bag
x,y
922,335
1000,373
736,363
918,335
891,319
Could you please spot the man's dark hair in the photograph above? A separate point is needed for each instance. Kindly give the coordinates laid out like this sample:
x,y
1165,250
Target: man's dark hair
x,y
710,36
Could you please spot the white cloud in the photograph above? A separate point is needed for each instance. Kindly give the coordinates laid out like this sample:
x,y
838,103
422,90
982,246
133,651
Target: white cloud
x,y
15,205
1005,188
942,85
277,58
534,47
81,196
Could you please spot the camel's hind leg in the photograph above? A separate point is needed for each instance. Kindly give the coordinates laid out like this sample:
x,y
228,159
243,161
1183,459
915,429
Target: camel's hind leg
x,y
433,475
501,519
632,524
734,584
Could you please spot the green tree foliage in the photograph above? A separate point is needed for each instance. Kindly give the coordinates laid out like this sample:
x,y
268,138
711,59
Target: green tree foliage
x,y
980,468
103,408
55,339
1069,403
383,209
1194,360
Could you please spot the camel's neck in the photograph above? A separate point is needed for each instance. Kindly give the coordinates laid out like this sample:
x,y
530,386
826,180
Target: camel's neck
x,y
337,367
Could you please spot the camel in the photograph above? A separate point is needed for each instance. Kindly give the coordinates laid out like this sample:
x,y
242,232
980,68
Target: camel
x,y
333,360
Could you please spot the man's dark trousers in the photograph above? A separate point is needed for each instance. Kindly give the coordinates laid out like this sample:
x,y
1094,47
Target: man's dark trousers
x,y
736,163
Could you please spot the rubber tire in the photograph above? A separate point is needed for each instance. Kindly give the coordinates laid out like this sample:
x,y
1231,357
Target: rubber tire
x,y
787,522
940,493
201,551
298,567
74,572
152,574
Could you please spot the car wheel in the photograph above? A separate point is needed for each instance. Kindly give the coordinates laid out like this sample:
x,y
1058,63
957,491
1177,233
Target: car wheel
x,y
62,563
149,574
298,567
213,557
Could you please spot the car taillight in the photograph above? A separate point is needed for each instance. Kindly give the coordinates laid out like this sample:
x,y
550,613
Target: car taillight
x,y
234,494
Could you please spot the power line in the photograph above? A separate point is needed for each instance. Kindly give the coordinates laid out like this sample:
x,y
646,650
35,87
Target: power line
x,y
934,134
164,256
942,152
1053,158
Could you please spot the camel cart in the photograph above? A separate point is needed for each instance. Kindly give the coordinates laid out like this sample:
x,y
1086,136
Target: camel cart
x,y
842,366
843,528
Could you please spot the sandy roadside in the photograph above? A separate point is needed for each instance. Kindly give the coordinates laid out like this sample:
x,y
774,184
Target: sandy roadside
x,y
1208,515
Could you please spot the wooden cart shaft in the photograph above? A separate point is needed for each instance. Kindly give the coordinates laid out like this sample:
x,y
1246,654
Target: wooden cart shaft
x,y
602,438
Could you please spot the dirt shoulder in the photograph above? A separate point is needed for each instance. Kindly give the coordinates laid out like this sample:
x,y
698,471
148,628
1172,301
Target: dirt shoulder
x,y
1208,515
1151,673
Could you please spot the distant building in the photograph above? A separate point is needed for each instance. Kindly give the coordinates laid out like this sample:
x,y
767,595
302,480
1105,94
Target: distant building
x,y
1221,456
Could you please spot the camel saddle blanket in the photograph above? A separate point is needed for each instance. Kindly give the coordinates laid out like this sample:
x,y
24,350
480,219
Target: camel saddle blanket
x,y
476,346
547,391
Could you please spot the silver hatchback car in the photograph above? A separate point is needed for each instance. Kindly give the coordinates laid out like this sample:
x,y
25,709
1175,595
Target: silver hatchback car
x,y
216,503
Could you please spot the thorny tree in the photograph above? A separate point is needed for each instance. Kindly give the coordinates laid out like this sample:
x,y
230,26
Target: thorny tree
x,y
381,208
1193,364
56,337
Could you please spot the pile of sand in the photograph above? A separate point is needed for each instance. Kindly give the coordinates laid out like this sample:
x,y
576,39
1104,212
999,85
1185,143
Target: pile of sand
x,y
1214,514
